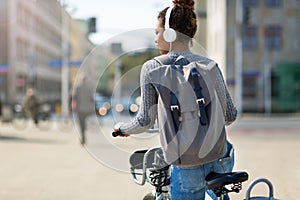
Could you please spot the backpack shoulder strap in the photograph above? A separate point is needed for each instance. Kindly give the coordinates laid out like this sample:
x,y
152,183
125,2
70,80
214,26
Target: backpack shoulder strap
x,y
166,60
200,99
163,59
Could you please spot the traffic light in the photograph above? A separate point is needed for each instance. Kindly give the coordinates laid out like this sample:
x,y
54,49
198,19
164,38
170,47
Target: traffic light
x,y
92,25
246,16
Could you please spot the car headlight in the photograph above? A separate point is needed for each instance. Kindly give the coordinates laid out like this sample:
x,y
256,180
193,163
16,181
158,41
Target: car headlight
x,y
102,111
106,105
138,100
134,108
119,107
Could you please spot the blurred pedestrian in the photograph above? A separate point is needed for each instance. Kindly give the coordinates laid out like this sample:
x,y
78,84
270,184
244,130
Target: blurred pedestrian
x,y
188,170
83,104
0,108
31,105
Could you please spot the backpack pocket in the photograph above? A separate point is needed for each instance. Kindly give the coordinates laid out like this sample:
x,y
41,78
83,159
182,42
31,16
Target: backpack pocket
x,y
189,135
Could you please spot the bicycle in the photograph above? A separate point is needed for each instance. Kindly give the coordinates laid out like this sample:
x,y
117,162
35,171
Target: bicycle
x,y
154,170
150,165
21,119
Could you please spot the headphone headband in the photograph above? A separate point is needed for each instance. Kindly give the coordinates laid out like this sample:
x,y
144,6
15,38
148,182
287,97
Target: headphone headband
x,y
169,33
167,17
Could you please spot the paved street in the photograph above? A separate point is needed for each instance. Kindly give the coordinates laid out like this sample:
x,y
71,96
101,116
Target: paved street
x,y
51,164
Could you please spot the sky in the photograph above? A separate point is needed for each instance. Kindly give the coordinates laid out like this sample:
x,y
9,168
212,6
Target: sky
x,y
117,16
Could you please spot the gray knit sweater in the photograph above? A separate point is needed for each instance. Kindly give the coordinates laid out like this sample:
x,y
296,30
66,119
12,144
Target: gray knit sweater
x,y
147,114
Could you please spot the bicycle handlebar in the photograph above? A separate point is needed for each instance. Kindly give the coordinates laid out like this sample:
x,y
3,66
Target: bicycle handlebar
x,y
116,133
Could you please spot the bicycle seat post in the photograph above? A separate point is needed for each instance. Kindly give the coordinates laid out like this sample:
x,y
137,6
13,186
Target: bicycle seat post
x,y
220,192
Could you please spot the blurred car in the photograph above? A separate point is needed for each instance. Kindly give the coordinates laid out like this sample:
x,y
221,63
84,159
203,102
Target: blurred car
x,y
126,105
102,104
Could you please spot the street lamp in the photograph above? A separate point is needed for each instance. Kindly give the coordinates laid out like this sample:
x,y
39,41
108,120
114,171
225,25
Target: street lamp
x,y
116,49
31,53
298,30
65,61
238,57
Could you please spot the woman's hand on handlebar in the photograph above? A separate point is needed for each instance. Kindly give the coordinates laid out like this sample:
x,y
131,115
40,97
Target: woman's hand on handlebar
x,y
117,132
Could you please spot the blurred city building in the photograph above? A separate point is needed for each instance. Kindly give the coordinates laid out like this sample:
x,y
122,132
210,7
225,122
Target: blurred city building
x,y
268,57
262,73
31,48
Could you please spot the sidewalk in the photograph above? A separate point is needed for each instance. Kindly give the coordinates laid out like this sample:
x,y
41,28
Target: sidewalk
x,y
47,165
268,147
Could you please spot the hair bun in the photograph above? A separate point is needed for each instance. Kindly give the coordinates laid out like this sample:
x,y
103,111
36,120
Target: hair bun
x,y
188,4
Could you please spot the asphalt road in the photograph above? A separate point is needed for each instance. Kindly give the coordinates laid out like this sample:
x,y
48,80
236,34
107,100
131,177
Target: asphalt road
x,y
52,165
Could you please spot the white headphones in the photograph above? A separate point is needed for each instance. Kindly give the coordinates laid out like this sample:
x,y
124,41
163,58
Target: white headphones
x,y
169,33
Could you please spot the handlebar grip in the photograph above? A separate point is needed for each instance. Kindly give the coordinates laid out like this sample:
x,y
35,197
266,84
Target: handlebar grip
x,y
116,133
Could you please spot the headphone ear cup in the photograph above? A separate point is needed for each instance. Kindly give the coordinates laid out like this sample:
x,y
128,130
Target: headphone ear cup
x,y
169,35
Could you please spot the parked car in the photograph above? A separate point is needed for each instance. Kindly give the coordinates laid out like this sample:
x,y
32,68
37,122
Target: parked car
x,y
126,105
102,104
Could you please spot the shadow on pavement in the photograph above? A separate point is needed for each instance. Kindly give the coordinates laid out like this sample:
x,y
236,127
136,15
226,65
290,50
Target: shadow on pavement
x,y
29,140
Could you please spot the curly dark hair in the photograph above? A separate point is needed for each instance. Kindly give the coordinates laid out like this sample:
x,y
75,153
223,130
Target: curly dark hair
x,y
183,18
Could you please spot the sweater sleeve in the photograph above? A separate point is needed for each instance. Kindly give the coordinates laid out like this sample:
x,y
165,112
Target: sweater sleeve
x,y
229,110
147,113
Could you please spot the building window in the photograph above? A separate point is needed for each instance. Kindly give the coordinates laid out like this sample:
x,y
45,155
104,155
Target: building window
x,y
250,86
273,3
250,3
250,37
273,36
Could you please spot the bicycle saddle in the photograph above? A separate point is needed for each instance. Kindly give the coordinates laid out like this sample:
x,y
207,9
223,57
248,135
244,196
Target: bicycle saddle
x,y
216,180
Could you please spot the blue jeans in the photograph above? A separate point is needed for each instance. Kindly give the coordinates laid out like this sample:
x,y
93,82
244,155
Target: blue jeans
x,y
188,183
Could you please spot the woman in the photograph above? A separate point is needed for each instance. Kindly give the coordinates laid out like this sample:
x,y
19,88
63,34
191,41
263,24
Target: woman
x,y
187,182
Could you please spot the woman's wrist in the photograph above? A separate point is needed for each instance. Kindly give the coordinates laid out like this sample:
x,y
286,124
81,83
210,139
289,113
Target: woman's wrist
x,y
117,128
